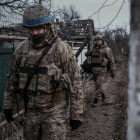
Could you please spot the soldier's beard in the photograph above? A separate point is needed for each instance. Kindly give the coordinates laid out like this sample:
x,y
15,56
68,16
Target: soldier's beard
x,y
39,38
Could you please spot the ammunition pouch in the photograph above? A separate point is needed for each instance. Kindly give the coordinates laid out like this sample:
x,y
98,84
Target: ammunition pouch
x,y
23,76
97,58
67,82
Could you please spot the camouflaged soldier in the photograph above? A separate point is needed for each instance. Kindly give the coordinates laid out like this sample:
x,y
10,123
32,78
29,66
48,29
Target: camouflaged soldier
x,y
99,57
55,84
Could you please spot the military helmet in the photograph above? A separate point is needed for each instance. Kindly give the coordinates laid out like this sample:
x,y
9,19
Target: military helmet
x,y
36,15
99,37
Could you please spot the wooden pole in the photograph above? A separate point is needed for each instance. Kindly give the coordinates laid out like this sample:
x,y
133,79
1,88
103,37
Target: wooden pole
x,y
13,37
72,44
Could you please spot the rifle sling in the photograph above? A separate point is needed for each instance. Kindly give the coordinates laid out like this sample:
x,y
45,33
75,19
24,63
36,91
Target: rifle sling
x,y
33,71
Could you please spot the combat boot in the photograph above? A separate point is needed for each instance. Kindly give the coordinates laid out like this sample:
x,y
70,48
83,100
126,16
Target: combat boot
x,y
95,103
103,97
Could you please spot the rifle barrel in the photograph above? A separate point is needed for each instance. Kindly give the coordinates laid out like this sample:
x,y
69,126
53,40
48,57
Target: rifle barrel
x,y
81,48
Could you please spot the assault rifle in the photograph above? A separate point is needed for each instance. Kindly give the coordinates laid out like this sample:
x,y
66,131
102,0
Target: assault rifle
x,y
85,66
87,39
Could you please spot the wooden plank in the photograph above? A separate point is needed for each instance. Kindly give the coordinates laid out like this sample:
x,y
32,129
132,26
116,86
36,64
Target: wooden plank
x,y
14,116
73,42
13,37
79,37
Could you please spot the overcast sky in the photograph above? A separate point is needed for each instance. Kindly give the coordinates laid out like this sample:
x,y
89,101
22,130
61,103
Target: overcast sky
x,y
106,14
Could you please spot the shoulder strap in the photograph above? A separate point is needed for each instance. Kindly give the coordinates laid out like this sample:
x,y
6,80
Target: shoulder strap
x,y
26,47
53,51
33,71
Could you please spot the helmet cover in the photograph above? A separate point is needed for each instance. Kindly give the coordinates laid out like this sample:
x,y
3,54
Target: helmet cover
x,y
99,37
36,15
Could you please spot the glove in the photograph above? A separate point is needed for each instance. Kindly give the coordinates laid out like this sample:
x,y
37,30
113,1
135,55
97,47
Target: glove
x,y
8,115
112,74
74,124
88,53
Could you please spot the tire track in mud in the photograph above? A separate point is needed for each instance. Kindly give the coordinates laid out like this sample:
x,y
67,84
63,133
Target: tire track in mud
x,y
104,121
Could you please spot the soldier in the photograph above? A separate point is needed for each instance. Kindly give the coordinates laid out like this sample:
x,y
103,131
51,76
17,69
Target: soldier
x,y
43,69
99,58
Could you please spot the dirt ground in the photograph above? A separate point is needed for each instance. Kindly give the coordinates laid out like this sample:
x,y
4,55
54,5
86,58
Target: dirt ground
x,y
107,121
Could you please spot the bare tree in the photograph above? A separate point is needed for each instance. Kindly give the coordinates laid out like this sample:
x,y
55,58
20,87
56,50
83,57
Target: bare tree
x,y
18,6
70,13
11,11
133,130
117,40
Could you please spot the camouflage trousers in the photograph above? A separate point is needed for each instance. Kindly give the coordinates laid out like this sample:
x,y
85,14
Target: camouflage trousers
x,y
99,74
46,126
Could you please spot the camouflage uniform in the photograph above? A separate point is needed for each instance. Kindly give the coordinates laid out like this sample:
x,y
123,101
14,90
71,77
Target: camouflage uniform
x,y
51,122
99,72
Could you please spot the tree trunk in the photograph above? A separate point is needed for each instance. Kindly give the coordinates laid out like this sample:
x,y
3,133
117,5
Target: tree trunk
x,y
133,110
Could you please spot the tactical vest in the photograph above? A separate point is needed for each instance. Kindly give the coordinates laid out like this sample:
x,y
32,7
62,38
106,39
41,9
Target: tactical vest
x,y
97,57
48,73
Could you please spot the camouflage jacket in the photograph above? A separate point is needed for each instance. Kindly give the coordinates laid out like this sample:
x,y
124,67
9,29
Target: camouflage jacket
x,y
63,59
108,55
